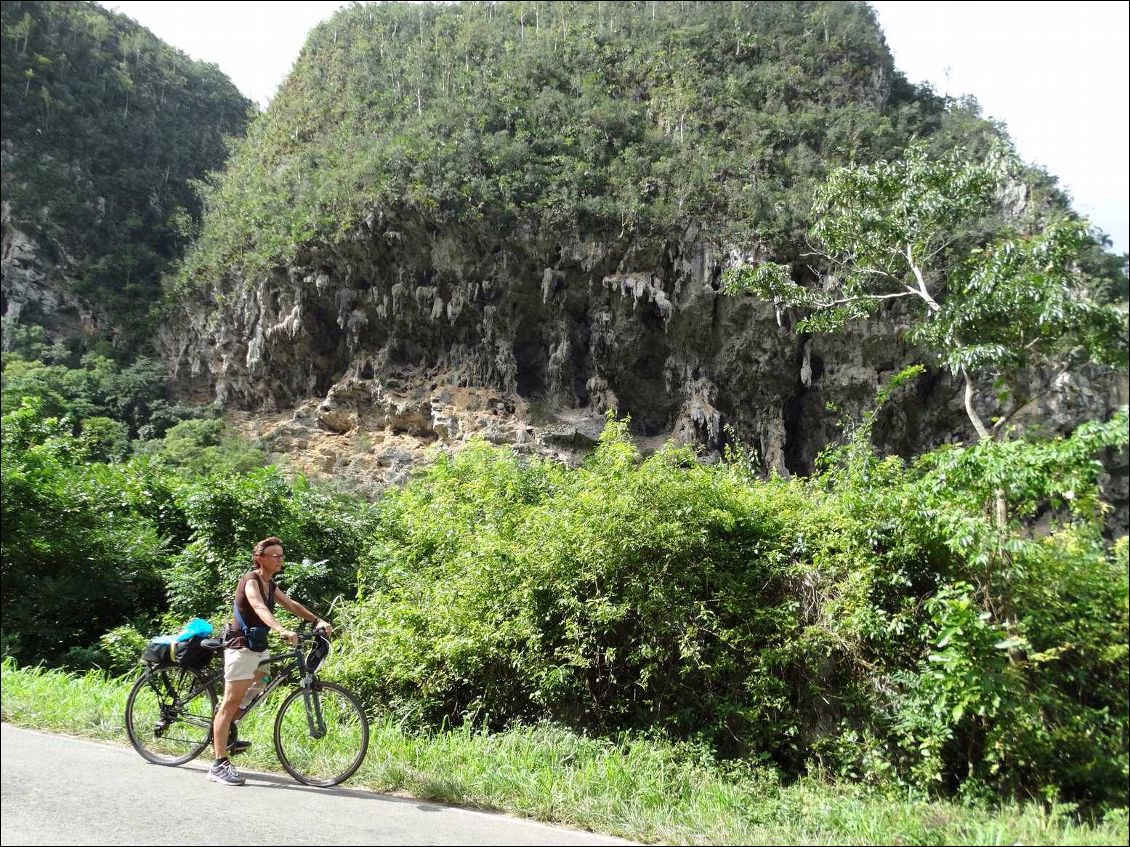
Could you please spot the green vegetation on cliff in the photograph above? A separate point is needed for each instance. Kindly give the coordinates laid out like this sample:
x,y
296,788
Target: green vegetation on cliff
x,y
104,129
554,120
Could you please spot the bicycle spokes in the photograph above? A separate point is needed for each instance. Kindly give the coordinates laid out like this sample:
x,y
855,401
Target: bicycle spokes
x,y
321,734
169,715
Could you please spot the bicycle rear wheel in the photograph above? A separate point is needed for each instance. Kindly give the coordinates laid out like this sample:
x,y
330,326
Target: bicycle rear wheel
x,y
321,735
169,715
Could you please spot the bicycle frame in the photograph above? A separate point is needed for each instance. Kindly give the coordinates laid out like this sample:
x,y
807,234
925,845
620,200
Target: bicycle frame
x,y
306,682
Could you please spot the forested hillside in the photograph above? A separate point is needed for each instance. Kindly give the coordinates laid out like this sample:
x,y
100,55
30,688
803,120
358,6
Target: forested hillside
x,y
561,119
104,129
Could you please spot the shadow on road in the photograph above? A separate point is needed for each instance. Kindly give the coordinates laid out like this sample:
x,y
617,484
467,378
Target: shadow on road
x,y
279,782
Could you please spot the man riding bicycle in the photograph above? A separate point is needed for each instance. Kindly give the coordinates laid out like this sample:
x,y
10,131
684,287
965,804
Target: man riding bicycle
x,y
254,604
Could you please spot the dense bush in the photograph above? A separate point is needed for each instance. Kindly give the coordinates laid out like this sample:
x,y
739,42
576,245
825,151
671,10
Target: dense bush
x,y
92,386
79,552
871,621
852,622
659,595
204,446
228,514
91,546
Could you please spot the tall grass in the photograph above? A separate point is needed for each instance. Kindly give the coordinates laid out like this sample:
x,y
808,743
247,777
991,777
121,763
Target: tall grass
x,y
637,788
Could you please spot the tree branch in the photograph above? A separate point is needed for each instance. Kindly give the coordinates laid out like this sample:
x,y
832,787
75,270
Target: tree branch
x,y
847,300
974,418
922,292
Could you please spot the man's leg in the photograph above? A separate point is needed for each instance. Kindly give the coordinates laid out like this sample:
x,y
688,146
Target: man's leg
x,y
235,743
257,684
233,694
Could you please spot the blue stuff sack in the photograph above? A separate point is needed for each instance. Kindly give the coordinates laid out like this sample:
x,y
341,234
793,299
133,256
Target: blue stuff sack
x,y
195,628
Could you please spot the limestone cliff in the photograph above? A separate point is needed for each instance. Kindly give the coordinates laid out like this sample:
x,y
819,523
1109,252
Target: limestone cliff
x,y
37,286
402,337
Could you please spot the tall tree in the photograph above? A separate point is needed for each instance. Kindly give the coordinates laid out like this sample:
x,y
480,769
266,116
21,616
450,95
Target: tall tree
x,y
989,307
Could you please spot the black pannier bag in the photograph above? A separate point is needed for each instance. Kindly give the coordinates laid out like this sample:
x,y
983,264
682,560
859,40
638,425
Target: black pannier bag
x,y
157,652
191,653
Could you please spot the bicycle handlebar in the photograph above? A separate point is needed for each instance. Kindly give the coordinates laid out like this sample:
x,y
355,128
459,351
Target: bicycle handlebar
x,y
306,632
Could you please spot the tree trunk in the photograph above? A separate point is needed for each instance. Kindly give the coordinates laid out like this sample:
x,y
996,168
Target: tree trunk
x,y
983,433
1001,605
1000,506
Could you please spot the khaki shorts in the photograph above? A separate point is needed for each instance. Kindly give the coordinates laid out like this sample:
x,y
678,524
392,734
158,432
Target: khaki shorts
x,y
242,664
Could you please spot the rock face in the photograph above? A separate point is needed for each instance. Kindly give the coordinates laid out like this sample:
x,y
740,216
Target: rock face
x,y
407,332
36,287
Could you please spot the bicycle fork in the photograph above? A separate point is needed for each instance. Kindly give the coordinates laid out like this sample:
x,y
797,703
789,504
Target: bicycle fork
x,y
314,718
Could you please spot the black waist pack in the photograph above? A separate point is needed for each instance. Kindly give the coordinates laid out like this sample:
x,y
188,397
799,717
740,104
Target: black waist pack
x,y
257,638
235,637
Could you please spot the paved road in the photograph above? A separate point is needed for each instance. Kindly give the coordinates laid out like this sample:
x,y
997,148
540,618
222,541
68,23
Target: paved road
x,y
62,790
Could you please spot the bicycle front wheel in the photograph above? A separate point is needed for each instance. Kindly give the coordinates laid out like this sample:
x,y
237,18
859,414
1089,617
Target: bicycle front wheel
x,y
169,715
321,734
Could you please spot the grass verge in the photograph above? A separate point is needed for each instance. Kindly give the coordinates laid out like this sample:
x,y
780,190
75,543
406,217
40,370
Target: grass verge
x,y
639,789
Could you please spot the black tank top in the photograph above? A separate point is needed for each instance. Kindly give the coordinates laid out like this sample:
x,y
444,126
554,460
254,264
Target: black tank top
x,y
250,618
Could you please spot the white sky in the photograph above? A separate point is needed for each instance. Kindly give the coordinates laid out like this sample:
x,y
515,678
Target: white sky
x,y
1056,73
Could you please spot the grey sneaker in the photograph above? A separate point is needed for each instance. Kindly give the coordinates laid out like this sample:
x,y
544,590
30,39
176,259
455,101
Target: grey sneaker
x,y
225,773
